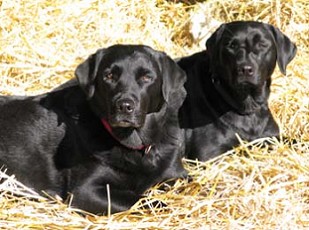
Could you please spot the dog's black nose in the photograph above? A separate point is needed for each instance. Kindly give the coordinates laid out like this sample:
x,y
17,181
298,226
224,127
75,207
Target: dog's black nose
x,y
246,70
125,105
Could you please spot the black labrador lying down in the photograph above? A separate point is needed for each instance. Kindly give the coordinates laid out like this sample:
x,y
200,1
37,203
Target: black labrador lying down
x,y
117,127
228,87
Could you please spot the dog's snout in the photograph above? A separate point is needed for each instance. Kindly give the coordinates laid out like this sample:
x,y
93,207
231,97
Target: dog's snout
x,y
125,105
246,70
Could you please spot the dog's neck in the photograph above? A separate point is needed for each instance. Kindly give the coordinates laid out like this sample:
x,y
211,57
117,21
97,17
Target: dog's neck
x,y
127,137
226,96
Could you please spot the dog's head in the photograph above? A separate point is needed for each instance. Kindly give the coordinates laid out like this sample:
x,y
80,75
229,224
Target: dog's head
x,y
243,56
124,83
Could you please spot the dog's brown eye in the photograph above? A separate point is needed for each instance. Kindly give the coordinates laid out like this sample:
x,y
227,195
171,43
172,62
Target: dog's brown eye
x,y
145,78
108,76
233,45
262,45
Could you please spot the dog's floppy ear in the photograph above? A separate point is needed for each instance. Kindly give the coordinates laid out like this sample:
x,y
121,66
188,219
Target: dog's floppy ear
x,y
213,40
286,50
174,78
86,72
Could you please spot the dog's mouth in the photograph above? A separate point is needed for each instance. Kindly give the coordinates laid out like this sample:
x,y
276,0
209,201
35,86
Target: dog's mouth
x,y
124,124
125,121
242,90
244,87
245,82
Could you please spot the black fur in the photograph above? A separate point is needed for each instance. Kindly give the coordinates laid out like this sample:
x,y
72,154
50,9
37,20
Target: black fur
x,y
57,142
228,87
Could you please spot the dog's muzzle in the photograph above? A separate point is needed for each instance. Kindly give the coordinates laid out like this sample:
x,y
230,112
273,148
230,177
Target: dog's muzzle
x,y
126,114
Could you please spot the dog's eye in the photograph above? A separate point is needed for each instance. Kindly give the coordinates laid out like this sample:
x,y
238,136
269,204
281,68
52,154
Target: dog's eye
x,y
261,44
232,45
145,78
108,76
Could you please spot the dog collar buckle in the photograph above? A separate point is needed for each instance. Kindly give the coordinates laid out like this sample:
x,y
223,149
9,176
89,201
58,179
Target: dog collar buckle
x,y
147,149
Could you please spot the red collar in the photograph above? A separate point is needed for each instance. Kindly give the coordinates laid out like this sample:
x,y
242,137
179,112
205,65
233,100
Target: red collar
x,y
145,148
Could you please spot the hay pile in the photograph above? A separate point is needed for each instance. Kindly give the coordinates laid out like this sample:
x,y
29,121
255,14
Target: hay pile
x,y
254,188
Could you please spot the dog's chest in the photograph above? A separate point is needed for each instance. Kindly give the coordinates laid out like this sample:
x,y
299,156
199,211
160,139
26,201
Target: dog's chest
x,y
247,127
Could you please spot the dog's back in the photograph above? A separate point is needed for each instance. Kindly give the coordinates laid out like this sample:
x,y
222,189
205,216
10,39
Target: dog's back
x,y
29,136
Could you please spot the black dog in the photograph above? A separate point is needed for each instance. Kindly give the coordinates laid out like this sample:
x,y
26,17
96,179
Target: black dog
x,y
228,87
117,127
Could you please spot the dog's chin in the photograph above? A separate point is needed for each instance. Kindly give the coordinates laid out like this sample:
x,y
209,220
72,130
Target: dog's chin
x,y
247,82
244,88
125,123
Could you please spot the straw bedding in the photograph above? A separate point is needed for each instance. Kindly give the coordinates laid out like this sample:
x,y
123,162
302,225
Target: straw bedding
x,y
250,187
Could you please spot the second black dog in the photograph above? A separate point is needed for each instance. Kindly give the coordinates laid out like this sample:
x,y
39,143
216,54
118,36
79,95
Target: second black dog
x,y
228,87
